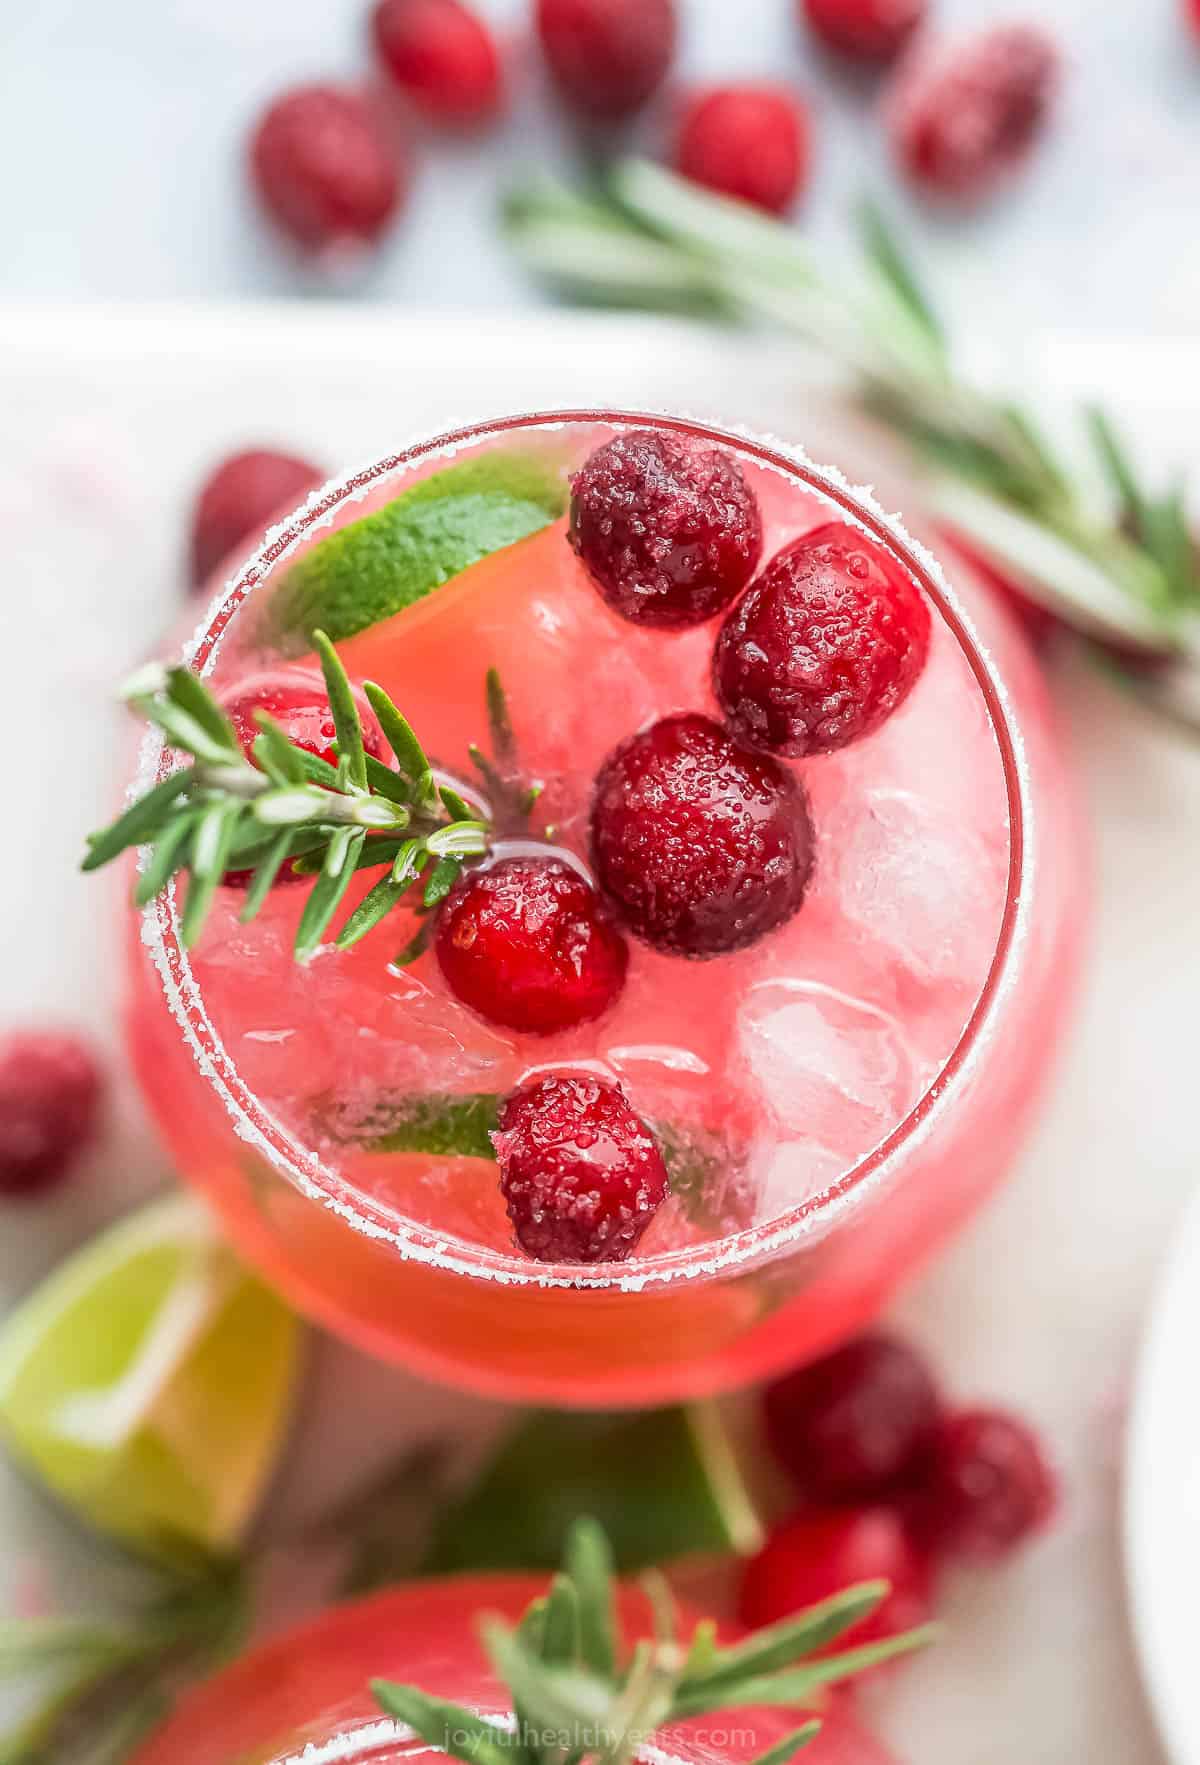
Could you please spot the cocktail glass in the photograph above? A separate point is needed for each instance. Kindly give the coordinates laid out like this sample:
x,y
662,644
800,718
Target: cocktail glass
x,y
304,1699
842,1094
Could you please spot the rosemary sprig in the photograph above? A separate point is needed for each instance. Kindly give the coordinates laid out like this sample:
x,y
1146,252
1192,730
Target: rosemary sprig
x,y
101,1686
1123,573
578,1693
290,808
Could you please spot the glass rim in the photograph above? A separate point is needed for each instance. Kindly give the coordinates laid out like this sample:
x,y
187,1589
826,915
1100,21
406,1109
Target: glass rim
x,y
255,1125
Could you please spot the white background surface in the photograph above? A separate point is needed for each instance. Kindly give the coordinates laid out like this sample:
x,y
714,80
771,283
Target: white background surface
x,y
106,423
122,124
120,136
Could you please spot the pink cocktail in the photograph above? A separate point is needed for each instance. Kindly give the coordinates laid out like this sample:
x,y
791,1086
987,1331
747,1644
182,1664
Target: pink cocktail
x,y
305,1700
831,1097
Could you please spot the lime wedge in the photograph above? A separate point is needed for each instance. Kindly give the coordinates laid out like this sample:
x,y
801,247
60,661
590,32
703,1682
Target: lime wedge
x,y
664,1484
148,1383
390,559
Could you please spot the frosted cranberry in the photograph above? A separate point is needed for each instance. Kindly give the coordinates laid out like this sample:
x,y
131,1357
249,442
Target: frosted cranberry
x,y
857,1425
50,1093
666,527
704,846
821,1552
868,30
300,707
823,647
325,167
528,943
607,57
750,142
581,1174
965,116
442,56
990,1489
239,497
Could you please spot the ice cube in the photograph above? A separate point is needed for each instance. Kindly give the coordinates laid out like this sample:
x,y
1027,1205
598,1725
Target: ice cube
x,y
832,1069
919,881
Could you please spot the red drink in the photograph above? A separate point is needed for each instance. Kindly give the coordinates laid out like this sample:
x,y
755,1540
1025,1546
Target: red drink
x,y
832,1099
304,1699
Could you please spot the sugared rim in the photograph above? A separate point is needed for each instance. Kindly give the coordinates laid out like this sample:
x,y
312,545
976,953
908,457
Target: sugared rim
x,y
254,1123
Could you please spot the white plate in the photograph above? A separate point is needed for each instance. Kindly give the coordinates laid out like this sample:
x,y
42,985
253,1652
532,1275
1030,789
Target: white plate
x,y
1162,1498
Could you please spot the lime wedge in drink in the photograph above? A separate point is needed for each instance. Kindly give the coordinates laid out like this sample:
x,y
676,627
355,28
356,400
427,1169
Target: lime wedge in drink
x,y
148,1383
428,534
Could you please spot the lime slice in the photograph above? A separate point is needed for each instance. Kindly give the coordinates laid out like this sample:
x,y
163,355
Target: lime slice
x,y
148,1383
663,1484
390,559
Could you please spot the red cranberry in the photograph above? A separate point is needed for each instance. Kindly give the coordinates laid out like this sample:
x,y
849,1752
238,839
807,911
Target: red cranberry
x,y
528,944
704,846
442,56
858,1425
300,707
965,116
824,646
239,497
607,57
1192,8
990,1488
750,142
821,1552
325,167
581,1174
50,1091
868,30
667,527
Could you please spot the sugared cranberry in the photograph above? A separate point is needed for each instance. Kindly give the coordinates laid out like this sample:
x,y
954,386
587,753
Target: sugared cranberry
x,y
704,846
823,647
527,943
868,30
581,1174
666,527
858,1425
239,497
964,116
300,707
750,142
442,56
607,57
50,1091
325,167
822,1551
990,1489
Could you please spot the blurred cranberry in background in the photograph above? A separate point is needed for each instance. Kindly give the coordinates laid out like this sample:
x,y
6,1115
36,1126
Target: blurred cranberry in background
x,y
990,1489
239,497
326,167
821,1552
50,1095
965,114
607,57
442,56
748,141
867,30
857,1425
